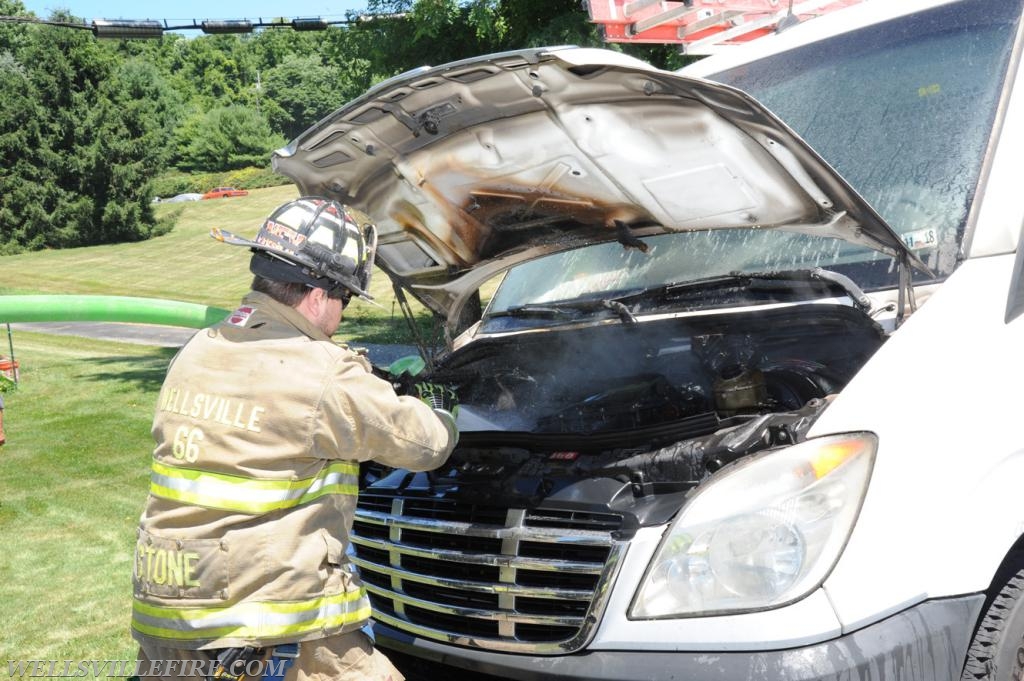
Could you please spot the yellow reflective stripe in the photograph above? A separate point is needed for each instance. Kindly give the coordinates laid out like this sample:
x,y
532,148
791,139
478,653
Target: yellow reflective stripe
x,y
222,504
339,488
247,495
252,483
251,619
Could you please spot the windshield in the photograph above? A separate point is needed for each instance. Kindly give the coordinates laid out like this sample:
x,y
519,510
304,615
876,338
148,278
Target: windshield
x,y
903,110
611,269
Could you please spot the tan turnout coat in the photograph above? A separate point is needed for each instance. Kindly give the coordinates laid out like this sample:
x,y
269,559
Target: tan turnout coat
x,y
260,427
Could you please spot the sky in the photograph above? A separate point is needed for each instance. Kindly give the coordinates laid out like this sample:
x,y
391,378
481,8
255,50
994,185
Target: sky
x,y
188,10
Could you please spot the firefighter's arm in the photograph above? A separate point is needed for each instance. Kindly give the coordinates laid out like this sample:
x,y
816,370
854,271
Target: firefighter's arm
x,y
363,418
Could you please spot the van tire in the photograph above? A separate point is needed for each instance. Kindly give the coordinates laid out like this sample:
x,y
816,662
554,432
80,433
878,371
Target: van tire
x,y
997,649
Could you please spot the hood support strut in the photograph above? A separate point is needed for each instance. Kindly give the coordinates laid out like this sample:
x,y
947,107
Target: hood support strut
x,y
906,287
426,352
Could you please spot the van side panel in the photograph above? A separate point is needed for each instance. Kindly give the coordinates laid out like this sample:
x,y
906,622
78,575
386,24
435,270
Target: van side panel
x,y
941,510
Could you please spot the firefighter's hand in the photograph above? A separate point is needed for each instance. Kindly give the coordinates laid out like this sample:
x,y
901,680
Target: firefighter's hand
x,y
445,404
401,374
439,397
410,365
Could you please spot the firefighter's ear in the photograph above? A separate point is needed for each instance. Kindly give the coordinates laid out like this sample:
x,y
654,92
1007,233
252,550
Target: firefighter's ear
x,y
318,297
313,304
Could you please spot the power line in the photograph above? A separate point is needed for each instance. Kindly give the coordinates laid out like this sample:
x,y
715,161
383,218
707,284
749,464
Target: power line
x,y
152,28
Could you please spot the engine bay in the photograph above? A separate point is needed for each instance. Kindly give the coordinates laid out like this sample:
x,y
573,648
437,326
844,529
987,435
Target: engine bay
x,y
607,416
619,377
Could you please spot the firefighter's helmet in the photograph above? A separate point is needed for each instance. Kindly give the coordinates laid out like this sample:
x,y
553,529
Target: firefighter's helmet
x,y
315,241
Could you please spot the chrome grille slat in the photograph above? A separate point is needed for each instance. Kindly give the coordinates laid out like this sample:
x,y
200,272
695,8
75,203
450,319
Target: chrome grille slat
x,y
450,636
483,558
475,613
477,587
539,534
529,581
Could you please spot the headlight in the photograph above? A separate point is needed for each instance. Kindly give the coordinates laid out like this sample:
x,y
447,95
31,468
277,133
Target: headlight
x,y
763,534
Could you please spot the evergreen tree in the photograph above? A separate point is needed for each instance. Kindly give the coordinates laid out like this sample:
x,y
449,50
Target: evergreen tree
x,y
65,68
27,185
82,132
126,133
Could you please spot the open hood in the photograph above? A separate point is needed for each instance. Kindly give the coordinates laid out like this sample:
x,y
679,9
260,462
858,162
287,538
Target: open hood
x,y
474,166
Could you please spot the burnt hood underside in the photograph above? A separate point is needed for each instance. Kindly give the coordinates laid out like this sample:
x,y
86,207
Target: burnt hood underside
x,y
512,156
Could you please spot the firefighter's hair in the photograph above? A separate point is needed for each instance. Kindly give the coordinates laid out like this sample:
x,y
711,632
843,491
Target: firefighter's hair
x,y
285,292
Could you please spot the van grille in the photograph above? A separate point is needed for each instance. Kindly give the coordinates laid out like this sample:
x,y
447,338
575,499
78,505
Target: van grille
x,y
513,580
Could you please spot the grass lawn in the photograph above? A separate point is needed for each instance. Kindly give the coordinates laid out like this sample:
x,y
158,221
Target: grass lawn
x,y
73,478
186,264
75,472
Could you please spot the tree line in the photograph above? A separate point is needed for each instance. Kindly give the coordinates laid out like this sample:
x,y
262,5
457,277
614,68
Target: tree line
x,y
90,129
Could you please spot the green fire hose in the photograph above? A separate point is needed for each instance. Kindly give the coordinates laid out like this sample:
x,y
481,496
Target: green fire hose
x,y
83,308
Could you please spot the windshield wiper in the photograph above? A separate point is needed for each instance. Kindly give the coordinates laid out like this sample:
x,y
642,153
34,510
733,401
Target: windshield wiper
x,y
753,281
848,286
568,308
532,310
623,305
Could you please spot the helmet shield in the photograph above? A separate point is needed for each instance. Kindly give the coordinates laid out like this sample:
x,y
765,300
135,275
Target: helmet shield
x,y
313,241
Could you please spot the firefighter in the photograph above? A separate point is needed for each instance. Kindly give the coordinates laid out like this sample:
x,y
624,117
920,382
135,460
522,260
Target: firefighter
x,y
260,427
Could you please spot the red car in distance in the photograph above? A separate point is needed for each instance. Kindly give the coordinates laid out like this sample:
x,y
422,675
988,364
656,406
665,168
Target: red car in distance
x,y
224,192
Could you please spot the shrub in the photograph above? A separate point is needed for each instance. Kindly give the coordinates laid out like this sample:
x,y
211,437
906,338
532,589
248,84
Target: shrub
x,y
174,182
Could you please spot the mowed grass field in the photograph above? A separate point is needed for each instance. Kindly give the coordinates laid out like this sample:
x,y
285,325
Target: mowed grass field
x,y
188,265
75,472
73,478
185,264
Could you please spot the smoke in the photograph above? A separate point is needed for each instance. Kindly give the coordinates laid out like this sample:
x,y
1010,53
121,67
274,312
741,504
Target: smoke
x,y
618,376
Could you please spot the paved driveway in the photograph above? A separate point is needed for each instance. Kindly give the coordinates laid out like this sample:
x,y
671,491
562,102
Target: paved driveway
x,y
173,336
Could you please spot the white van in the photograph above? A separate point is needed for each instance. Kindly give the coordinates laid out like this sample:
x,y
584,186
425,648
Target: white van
x,y
743,404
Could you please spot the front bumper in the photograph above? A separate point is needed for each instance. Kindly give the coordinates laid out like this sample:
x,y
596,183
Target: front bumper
x,y
927,642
